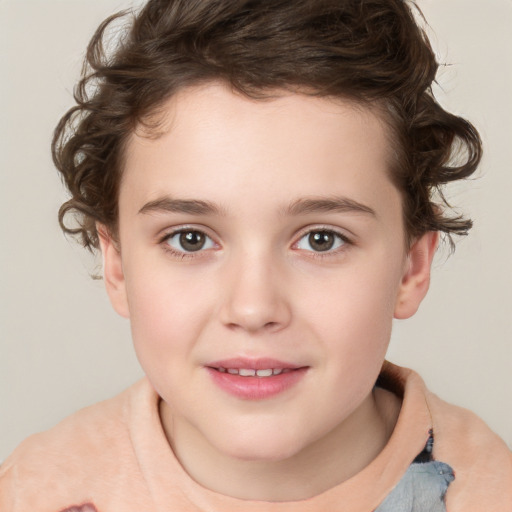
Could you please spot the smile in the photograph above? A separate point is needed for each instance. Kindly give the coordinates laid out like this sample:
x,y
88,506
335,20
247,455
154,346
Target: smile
x,y
255,379
249,372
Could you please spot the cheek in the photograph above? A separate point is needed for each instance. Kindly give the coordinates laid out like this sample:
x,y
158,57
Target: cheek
x,y
167,313
357,292
351,311
353,326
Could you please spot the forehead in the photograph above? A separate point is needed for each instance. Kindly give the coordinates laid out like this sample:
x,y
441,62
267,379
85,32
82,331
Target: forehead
x,y
213,144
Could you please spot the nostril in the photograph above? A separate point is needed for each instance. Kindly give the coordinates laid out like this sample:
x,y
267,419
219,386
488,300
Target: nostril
x,y
254,313
268,326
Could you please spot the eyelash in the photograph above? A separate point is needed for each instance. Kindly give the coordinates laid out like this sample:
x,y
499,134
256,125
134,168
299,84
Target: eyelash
x,y
340,237
164,241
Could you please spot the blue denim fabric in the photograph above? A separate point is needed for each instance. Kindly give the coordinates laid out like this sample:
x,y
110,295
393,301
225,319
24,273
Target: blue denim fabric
x,y
421,489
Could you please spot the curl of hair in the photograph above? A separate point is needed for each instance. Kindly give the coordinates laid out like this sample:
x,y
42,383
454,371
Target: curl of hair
x,y
370,51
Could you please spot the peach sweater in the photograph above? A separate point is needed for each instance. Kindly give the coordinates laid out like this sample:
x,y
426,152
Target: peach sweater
x,y
114,457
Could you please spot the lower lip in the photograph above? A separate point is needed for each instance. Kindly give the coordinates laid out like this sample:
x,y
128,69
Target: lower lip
x,y
256,388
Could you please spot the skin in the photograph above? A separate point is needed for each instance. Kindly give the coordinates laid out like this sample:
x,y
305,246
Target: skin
x,y
271,172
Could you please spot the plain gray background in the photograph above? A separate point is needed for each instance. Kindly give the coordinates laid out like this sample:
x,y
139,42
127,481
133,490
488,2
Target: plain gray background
x,y
63,347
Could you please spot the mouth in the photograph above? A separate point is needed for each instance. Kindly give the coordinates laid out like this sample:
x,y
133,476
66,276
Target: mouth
x,y
255,379
250,372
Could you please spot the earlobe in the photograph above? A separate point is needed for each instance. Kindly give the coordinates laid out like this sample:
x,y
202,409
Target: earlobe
x,y
416,278
113,274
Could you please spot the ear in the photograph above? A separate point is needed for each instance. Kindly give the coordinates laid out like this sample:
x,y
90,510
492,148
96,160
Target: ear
x,y
416,278
113,274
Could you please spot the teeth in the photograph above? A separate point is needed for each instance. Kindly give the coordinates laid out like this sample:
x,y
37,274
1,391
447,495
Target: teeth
x,y
249,372
264,373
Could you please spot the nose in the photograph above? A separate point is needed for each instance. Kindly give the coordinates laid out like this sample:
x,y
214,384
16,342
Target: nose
x,y
255,297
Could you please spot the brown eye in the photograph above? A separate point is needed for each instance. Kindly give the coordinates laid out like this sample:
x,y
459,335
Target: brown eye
x,y
190,240
322,240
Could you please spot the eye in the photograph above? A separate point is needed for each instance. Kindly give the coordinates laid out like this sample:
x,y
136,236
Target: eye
x,y
321,240
189,240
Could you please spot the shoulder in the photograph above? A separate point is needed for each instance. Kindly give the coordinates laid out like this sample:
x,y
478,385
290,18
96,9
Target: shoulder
x,y
83,447
481,460
77,434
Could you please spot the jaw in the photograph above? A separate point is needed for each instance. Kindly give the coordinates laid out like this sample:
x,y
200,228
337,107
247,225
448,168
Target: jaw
x,y
266,459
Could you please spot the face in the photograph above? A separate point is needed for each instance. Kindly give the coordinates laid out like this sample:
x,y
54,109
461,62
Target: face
x,y
261,262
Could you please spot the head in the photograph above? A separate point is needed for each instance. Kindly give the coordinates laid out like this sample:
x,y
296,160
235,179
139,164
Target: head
x,y
262,178
371,53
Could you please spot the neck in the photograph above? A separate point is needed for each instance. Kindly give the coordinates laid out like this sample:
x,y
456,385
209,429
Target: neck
x,y
336,457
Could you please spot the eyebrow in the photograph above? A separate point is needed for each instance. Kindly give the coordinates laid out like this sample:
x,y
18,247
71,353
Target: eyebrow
x,y
334,204
190,206
302,206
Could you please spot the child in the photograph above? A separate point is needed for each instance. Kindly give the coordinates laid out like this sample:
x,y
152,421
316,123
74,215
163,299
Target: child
x,y
259,177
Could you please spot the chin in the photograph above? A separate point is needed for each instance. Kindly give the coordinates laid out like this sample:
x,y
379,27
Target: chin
x,y
261,454
268,446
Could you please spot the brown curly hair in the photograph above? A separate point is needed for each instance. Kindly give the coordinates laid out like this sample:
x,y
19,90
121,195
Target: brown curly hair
x,y
370,51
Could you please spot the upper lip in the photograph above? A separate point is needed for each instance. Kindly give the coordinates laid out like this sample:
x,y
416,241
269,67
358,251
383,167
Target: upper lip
x,y
253,364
